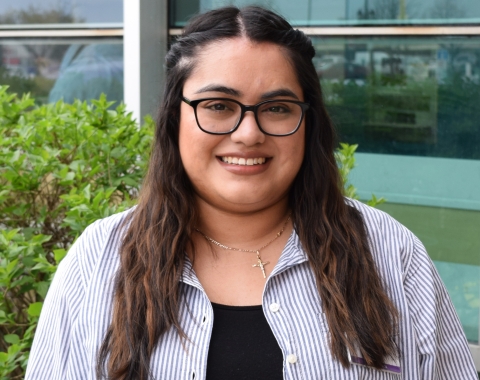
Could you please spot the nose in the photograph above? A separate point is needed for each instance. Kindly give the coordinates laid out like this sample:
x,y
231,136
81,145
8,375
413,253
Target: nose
x,y
248,132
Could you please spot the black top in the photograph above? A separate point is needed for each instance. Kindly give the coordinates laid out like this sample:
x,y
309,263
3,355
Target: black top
x,y
243,346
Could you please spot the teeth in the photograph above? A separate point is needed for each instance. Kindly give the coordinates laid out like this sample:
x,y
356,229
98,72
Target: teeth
x,y
243,161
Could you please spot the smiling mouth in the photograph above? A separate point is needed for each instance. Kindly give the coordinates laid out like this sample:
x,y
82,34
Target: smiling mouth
x,y
243,161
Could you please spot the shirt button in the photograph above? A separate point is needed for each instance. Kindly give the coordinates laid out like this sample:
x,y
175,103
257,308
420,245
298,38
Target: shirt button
x,y
292,358
274,307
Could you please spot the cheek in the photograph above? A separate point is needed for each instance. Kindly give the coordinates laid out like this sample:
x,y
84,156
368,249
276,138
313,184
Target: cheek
x,y
187,147
184,141
296,150
189,137
196,147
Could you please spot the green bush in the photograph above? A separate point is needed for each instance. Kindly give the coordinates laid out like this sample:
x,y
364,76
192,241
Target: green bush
x,y
62,166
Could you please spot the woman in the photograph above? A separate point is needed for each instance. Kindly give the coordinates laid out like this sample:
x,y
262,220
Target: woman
x,y
243,260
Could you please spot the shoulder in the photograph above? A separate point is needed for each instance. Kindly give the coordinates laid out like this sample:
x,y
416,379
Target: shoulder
x,y
390,240
100,241
91,259
60,334
377,221
431,330
102,228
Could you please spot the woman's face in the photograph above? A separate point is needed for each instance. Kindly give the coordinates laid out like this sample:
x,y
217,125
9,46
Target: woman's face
x,y
248,72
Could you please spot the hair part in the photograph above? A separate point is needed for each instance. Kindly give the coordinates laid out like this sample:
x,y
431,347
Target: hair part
x,y
147,289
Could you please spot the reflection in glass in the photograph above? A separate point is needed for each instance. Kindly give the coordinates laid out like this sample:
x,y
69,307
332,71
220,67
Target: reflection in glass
x,y
68,69
61,12
346,12
410,96
414,103
452,241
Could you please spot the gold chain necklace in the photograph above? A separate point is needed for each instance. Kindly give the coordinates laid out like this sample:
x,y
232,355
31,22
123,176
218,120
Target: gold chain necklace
x,y
260,264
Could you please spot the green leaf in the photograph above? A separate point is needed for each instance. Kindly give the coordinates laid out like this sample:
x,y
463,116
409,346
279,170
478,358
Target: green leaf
x,y
86,192
129,181
3,240
10,267
68,178
13,349
11,338
34,309
96,201
42,288
40,239
3,357
11,234
118,152
59,254
15,156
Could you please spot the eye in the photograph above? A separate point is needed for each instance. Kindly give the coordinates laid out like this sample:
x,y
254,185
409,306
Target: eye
x,y
216,106
277,108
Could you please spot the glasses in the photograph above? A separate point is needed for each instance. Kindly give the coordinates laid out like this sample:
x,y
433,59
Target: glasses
x,y
221,116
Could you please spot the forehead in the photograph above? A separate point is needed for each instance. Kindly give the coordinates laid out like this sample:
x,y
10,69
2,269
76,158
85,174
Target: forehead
x,y
247,66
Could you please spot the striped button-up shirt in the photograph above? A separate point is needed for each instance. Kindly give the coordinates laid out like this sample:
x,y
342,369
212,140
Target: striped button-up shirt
x,y
78,307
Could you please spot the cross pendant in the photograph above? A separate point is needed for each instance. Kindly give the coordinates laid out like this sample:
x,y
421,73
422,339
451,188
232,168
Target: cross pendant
x,y
260,264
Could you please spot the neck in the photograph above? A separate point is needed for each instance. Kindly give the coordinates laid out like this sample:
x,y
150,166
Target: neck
x,y
247,230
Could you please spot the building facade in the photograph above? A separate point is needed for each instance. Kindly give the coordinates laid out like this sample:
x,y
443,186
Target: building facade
x,y
401,79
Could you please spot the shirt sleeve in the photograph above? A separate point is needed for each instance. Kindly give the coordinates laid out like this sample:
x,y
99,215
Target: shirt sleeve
x,y
441,343
50,351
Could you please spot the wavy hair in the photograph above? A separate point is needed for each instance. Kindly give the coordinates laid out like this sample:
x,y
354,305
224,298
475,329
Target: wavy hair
x,y
147,292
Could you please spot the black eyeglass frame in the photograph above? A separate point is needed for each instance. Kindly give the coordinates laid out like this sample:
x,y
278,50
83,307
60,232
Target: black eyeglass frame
x,y
244,108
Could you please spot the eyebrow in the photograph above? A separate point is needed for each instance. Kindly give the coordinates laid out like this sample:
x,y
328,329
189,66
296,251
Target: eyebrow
x,y
279,92
232,92
219,88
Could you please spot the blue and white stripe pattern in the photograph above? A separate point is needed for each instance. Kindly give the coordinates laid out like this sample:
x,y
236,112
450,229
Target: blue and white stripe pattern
x,y
77,312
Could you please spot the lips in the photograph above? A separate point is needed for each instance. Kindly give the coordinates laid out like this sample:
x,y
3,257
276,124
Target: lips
x,y
243,161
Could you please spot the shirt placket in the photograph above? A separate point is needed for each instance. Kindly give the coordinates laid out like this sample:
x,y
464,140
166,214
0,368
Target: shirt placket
x,y
277,317
200,331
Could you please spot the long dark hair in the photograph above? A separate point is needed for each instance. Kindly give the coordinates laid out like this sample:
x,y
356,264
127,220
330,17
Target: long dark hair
x,y
152,255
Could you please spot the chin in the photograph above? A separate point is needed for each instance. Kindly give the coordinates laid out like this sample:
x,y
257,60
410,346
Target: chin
x,y
242,200
241,197
249,201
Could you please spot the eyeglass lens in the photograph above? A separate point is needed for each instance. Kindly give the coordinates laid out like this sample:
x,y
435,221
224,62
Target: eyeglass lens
x,y
275,117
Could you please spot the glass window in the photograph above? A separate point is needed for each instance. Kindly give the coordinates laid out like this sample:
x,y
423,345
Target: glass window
x,y
346,12
412,106
63,68
412,96
182,10
61,12
452,240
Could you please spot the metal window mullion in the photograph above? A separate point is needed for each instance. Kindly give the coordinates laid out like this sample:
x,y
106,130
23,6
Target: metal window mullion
x,y
109,25
61,33
145,40
382,31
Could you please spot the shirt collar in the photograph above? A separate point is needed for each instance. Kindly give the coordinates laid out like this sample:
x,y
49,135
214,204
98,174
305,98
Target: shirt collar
x,y
188,275
293,254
